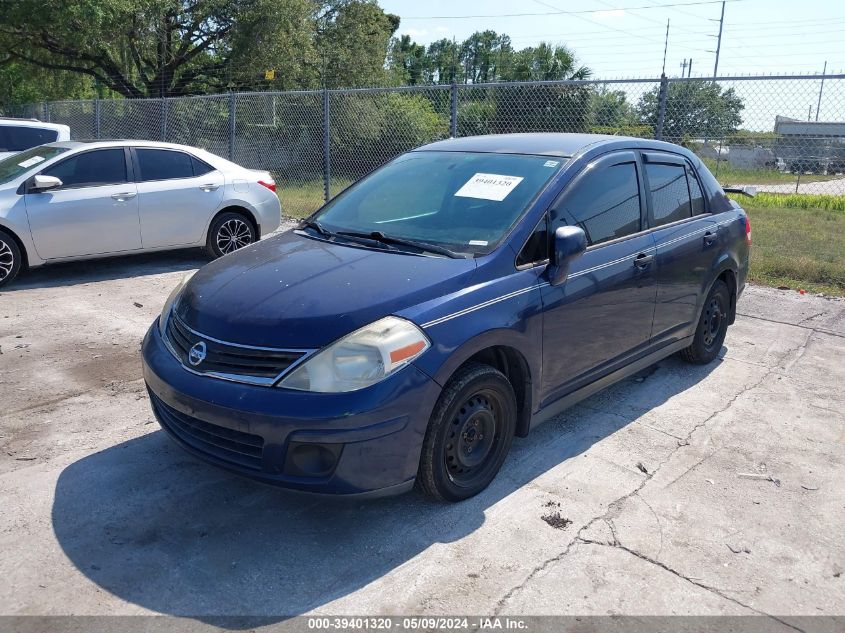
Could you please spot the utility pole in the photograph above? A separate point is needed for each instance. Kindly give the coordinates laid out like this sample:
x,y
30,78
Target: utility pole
x,y
689,72
684,68
666,47
719,42
821,88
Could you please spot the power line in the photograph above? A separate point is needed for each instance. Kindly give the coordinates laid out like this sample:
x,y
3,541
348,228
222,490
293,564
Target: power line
x,y
560,11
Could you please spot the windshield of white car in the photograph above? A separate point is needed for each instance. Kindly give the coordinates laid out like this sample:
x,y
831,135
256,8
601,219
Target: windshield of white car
x,y
18,164
465,202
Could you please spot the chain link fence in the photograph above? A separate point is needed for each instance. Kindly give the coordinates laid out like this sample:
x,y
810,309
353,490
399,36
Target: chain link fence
x,y
783,134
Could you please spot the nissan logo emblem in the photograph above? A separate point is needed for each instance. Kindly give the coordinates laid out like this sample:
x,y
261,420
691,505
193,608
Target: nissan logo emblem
x,y
197,353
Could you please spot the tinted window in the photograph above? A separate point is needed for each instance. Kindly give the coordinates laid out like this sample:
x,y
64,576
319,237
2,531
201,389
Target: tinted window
x,y
669,193
157,164
99,167
200,168
536,248
696,196
605,203
17,139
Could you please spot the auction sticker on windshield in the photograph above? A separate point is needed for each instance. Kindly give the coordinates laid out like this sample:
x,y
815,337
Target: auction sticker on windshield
x,y
31,161
489,186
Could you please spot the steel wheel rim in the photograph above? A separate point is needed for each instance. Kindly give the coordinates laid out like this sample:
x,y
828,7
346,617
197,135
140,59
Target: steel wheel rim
x,y
7,260
714,317
232,235
473,441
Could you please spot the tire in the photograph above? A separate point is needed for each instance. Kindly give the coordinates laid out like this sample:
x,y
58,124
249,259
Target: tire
x,y
10,258
469,434
712,326
228,233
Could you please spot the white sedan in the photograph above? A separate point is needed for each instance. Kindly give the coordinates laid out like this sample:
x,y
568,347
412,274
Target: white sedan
x,y
79,200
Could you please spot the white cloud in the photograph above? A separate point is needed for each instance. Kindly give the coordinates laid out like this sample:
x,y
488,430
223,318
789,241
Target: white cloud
x,y
442,29
414,32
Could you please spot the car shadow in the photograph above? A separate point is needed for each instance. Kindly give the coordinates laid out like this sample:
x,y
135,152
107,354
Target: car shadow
x,y
109,268
157,528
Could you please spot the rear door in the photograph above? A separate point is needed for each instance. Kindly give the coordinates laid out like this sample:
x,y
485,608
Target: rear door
x,y
177,195
95,211
687,241
601,316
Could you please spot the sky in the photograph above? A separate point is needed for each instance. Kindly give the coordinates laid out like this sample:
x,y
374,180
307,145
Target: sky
x,y
625,38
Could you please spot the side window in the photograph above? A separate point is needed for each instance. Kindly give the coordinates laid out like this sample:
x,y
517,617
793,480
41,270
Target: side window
x,y
667,185
605,203
159,164
536,248
200,168
696,195
91,169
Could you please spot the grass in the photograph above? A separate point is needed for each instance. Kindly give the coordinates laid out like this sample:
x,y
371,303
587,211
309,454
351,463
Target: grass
x,y
798,242
730,175
301,199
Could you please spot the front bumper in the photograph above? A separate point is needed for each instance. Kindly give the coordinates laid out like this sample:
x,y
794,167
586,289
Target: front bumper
x,y
349,443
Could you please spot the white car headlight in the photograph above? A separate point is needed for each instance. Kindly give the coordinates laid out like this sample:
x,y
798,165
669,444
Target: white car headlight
x,y
171,302
360,359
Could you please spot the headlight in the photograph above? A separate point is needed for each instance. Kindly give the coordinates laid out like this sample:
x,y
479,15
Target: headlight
x,y
360,359
171,302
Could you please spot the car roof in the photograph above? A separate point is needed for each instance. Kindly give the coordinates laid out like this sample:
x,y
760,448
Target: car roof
x,y
122,143
9,121
559,144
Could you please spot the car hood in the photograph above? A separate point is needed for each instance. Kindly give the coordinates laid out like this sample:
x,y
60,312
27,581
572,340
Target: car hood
x,y
292,291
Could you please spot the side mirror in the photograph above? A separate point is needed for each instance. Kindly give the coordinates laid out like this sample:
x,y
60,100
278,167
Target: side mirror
x,y
570,242
44,183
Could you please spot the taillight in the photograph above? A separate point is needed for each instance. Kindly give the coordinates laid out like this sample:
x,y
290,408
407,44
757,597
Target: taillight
x,y
747,231
269,183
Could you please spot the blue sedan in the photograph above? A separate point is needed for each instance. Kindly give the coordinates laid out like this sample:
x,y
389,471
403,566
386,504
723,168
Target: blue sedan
x,y
451,300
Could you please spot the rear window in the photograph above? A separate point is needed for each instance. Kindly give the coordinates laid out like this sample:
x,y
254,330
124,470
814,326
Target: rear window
x,y
16,138
159,164
670,199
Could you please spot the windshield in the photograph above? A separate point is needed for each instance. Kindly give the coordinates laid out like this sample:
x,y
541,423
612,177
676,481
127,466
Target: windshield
x,y
13,166
463,201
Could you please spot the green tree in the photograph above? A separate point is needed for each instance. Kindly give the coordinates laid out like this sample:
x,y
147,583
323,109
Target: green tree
x,y
444,61
693,109
352,40
545,62
151,48
409,62
484,55
611,108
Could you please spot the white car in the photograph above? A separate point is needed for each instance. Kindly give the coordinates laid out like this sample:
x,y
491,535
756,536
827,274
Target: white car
x,y
76,200
17,135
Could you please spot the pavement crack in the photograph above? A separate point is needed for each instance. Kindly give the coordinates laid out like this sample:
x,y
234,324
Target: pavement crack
x,y
714,590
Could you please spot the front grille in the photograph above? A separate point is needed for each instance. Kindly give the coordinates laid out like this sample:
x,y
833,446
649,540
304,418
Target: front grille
x,y
262,364
237,447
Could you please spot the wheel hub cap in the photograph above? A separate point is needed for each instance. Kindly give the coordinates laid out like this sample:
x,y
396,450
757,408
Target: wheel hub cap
x,y
232,235
712,322
7,260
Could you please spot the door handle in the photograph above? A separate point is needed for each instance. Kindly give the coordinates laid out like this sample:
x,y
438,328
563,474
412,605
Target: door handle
x,y
643,261
121,197
210,187
710,238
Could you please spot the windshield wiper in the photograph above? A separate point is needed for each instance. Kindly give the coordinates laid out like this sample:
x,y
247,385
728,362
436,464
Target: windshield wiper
x,y
313,224
378,236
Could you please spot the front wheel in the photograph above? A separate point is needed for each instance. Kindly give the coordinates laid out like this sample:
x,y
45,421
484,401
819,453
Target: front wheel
x,y
228,233
469,434
712,326
10,258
